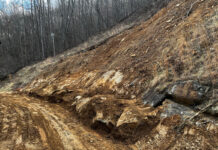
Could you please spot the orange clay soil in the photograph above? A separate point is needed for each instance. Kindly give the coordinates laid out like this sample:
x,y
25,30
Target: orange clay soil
x,y
94,99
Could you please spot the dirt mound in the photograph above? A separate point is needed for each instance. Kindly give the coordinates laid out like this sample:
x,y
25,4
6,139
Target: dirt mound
x,y
154,86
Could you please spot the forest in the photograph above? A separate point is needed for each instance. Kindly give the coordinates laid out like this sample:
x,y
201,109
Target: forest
x,y
49,27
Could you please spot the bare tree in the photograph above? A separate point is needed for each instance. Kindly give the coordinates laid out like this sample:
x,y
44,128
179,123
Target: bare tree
x,y
48,28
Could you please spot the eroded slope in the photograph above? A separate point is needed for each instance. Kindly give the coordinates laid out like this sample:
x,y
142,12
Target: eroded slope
x,y
178,46
96,99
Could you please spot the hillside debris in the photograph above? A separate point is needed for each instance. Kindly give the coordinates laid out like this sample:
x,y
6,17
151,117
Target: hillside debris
x,y
107,99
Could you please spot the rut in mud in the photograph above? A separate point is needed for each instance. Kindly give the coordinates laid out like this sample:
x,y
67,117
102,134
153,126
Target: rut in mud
x,y
28,123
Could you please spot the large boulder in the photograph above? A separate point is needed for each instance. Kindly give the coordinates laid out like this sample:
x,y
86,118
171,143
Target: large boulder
x,y
153,98
172,108
184,92
133,122
188,92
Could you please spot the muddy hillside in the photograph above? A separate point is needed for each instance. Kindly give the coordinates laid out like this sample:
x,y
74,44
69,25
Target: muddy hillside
x,y
152,86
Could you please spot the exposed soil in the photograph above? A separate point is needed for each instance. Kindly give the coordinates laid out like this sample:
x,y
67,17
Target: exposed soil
x,y
102,98
29,123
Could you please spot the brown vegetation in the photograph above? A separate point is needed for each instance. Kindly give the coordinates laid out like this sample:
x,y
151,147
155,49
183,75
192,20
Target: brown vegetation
x,y
99,96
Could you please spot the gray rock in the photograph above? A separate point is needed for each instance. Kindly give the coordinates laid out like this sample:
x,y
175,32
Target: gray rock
x,y
153,98
188,92
172,108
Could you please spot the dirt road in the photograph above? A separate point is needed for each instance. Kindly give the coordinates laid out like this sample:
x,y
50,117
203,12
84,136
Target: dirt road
x,y
28,123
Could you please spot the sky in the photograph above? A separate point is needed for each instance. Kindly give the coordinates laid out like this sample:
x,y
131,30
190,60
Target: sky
x,y
2,3
20,3
8,1
27,3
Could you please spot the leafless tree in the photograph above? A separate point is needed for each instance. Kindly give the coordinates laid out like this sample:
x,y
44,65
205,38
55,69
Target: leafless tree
x,y
26,33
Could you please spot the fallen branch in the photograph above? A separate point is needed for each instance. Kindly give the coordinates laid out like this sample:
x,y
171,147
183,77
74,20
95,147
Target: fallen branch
x,y
212,102
190,9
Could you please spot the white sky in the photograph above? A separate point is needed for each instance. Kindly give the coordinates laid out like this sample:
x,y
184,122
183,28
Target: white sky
x,y
52,1
8,1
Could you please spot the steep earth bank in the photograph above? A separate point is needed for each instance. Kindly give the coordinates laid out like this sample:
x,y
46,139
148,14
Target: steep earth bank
x,y
154,86
11,64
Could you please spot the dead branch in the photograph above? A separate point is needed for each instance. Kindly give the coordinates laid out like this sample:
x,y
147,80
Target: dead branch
x,y
181,126
190,9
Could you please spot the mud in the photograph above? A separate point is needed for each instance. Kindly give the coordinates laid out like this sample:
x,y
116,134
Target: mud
x,y
94,99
